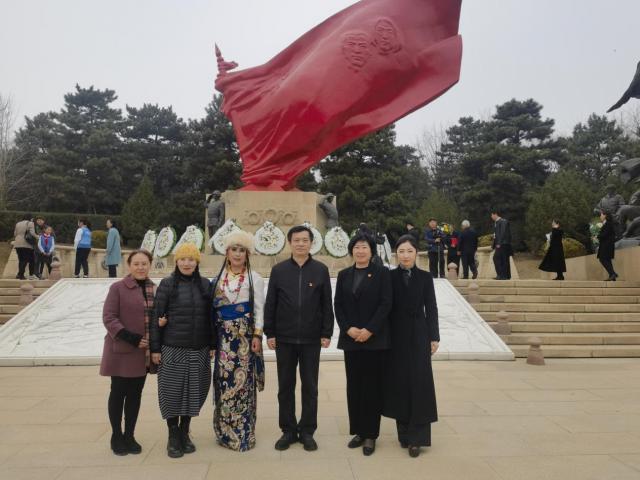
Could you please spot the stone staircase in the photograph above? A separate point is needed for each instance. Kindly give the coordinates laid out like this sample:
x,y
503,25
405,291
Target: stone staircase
x,y
572,318
10,295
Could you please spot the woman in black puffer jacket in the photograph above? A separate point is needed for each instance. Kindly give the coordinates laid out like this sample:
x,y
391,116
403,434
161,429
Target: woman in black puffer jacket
x,y
182,343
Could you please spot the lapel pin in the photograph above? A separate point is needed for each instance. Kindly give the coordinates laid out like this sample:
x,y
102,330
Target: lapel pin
x,y
310,284
369,275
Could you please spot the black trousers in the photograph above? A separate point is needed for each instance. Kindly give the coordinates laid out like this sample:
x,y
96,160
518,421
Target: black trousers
x,y
25,257
43,260
501,262
414,435
436,259
468,263
608,266
113,272
82,260
288,356
126,394
364,370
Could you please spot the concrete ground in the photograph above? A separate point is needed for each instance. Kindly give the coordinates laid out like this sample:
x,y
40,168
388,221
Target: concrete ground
x,y
571,419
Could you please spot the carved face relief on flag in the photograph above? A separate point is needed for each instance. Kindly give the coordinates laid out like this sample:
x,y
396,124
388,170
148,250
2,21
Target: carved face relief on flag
x,y
356,49
386,37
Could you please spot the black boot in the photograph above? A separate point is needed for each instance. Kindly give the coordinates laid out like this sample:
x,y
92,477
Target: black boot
x,y
187,444
117,444
131,445
174,445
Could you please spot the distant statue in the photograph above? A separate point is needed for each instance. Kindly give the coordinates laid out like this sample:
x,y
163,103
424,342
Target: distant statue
x,y
330,210
632,92
611,202
215,212
628,216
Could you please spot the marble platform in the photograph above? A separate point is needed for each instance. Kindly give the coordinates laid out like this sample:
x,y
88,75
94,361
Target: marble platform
x,y
64,327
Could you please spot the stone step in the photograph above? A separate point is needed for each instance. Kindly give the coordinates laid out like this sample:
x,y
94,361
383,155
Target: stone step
x,y
581,351
13,309
563,317
558,307
16,291
549,292
541,327
547,284
580,299
5,317
9,299
11,283
575,339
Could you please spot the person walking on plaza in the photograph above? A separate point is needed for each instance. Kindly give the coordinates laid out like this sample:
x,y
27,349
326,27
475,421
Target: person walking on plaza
x,y
126,314
410,396
607,244
436,240
46,249
182,342
238,318
453,243
467,248
553,260
25,239
298,320
501,246
114,254
362,303
82,244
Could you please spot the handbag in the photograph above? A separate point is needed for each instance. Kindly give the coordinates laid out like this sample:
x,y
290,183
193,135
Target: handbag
x,y
29,238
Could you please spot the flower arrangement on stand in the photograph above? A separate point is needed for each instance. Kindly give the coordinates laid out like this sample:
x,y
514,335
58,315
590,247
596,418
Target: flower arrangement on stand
x,y
269,239
217,241
149,241
336,242
316,246
193,235
165,242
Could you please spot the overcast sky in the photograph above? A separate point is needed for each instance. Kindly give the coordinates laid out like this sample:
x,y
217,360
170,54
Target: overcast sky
x,y
573,56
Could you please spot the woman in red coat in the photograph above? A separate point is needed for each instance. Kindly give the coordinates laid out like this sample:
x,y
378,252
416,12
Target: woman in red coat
x,y
125,357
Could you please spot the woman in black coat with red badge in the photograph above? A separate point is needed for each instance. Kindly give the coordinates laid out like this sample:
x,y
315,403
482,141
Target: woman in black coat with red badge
x,y
362,303
410,395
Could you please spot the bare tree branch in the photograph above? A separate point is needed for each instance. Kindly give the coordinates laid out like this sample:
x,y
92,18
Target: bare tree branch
x,y
14,173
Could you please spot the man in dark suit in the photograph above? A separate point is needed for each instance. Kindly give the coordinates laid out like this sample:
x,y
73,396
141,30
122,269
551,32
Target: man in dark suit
x,y
467,247
501,246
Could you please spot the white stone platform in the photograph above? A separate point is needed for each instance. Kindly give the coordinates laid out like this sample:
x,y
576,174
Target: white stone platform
x,y
64,327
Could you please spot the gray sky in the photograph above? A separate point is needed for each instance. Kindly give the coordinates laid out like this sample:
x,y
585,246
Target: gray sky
x,y
573,56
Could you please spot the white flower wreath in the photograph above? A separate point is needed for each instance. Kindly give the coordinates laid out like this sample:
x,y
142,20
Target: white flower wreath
x,y
269,239
217,241
165,242
316,246
193,235
149,241
336,241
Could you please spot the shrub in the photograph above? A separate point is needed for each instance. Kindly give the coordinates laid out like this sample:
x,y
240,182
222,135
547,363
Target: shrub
x,y
99,238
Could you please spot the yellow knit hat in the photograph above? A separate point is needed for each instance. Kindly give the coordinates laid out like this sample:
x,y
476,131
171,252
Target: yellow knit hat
x,y
187,250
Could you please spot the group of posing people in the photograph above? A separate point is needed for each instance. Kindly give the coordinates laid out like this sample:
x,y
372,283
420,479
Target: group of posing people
x,y
388,330
35,246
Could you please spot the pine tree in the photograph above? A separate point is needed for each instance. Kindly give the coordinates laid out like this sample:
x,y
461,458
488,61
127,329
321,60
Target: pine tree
x,y
140,213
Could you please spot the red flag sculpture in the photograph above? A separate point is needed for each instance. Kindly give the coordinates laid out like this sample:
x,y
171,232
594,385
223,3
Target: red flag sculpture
x,y
362,69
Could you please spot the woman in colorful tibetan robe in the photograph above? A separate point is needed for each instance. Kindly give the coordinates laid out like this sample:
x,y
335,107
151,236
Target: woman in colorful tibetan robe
x,y
239,367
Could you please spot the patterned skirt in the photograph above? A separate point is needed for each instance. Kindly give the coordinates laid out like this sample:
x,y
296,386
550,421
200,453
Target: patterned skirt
x,y
238,375
184,377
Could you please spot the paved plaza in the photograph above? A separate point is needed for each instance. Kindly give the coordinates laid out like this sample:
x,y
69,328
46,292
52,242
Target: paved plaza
x,y
571,419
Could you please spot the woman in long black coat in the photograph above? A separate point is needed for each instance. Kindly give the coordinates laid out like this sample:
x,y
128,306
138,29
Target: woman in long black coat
x,y
606,249
410,395
362,303
553,261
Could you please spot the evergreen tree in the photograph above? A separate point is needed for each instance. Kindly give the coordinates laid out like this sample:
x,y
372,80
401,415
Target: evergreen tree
x,y
140,213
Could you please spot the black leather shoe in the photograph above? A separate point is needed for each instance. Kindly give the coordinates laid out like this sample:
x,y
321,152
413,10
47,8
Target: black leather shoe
x,y
117,444
474,276
369,446
174,445
131,445
187,444
414,451
308,443
356,442
285,440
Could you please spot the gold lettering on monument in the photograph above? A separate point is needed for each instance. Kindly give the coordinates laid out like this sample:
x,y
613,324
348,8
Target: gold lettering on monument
x,y
277,217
